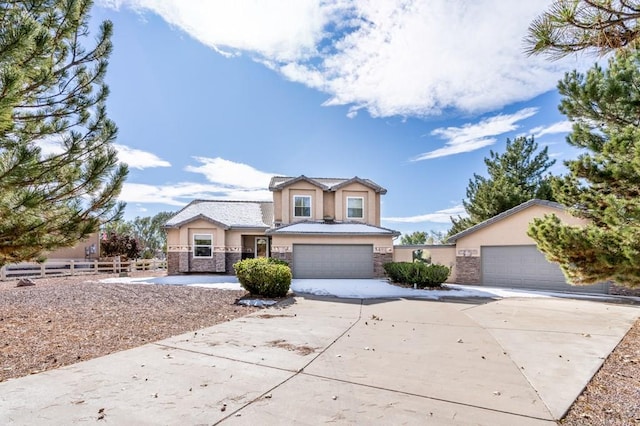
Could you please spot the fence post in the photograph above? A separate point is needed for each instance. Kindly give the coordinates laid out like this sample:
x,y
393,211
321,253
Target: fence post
x,y
42,270
71,267
3,273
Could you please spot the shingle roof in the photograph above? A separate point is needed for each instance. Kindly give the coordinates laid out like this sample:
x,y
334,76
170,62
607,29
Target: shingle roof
x,y
505,214
227,214
327,184
320,228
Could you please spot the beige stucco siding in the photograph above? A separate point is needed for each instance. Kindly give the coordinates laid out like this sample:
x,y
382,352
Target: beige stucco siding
x,y
329,210
184,235
286,242
357,190
366,205
441,255
77,252
301,188
173,237
277,206
511,230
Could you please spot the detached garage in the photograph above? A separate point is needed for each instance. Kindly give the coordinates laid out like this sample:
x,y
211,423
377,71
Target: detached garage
x,y
332,261
525,267
498,252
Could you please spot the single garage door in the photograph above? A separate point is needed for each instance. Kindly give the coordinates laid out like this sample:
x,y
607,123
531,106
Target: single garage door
x,y
526,267
332,261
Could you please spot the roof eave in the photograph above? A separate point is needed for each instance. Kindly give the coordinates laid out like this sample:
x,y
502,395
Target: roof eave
x,y
198,217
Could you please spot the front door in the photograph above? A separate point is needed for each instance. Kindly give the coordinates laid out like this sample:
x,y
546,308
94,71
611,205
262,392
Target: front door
x,y
262,247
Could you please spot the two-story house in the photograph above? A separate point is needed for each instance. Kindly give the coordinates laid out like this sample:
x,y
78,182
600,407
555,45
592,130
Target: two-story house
x,y
324,228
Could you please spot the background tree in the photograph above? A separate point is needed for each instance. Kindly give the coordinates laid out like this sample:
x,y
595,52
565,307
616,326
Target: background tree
x,y
414,239
148,231
604,183
515,176
52,92
570,26
417,238
124,246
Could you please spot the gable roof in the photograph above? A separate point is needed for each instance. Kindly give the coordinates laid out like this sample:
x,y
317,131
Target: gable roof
x,y
225,214
342,228
326,184
503,215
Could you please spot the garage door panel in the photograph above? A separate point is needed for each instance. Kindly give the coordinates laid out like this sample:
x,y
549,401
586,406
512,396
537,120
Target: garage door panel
x,y
526,267
332,261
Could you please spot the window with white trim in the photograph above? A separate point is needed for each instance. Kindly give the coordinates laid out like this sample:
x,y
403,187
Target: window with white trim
x,y
202,245
301,206
355,208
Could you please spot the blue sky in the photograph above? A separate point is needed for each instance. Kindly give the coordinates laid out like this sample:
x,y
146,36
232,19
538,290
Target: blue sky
x,y
212,98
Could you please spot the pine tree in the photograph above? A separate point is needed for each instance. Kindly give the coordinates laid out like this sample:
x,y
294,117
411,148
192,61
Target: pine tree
x,y
604,183
514,177
52,91
413,239
570,26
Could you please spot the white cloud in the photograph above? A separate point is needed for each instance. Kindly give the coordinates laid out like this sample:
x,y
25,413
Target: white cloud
x,y
471,137
401,57
51,145
279,29
232,174
559,127
181,193
135,158
228,180
441,216
138,159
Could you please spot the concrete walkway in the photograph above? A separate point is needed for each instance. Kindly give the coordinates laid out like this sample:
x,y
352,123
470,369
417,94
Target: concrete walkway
x,y
513,361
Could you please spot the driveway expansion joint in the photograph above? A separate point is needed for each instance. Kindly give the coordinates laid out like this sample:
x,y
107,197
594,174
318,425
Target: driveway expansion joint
x,y
432,398
296,373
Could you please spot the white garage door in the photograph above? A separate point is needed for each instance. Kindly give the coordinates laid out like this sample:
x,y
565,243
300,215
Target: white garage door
x,y
332,261
526,267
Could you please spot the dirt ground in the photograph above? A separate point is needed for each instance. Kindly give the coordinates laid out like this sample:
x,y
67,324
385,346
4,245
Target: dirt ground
x,y
64,320
60,321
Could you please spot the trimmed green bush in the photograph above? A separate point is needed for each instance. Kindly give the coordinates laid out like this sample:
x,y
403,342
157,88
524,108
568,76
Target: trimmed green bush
x,y
278,261
264,277
418,273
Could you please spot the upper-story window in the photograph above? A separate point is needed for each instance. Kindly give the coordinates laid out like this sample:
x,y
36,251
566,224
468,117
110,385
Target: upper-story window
x,y
202,245
355,208
301,206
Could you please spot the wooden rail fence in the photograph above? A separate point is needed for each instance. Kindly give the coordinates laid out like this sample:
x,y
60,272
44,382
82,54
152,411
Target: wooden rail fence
x,y
55,268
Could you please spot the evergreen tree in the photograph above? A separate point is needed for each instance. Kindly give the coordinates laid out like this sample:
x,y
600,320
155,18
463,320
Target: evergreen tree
x,y
514,177
414,239
604,183
570,26
52,91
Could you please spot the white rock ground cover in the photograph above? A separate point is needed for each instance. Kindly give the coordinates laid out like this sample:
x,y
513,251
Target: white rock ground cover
x,y
353,288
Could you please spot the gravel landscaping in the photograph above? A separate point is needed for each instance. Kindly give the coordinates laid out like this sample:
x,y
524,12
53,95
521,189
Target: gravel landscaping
x,y
64,320
60,321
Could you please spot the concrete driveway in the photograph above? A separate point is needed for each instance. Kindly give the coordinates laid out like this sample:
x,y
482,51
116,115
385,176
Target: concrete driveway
x,y
505,362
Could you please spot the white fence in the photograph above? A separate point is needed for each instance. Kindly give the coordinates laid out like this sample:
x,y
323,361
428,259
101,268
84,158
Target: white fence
x,y
71,267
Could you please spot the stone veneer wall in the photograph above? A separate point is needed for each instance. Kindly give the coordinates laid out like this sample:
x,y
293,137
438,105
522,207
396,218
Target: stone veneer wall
x,y
619,290
380,259
182,262
173,263
467,270
287,257
232,258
